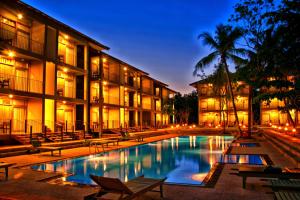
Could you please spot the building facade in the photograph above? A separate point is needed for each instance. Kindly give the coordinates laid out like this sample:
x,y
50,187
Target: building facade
x,y
53,77
215,108
269,112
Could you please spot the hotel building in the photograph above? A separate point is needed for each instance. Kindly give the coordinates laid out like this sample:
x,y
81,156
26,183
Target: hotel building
x,y
269,112
54,77
214,109
126,96
211,111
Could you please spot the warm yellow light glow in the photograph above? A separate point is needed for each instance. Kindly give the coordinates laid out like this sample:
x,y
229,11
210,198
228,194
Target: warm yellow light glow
x,y
64,102
65,70
294,130
20,16
125,89
104,60
11,54
104,83
285,128
287,124
172,126
10,96
125,68
66,37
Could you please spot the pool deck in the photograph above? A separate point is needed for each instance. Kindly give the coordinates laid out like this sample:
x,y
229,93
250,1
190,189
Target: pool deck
x,y
25,183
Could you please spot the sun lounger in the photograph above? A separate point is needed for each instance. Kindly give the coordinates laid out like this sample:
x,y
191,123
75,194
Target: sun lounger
x,y
5,166
129,190
265,172
51,149
285,184
285,195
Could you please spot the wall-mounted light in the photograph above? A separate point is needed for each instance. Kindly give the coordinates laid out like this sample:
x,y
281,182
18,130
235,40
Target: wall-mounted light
x,y
64,102
20,16
10,96
65,70
66,37
104,60
104,83
11,54
125,68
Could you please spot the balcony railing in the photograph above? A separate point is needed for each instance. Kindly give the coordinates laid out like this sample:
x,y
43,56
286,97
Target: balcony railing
x,y
111,100
147,90
95,75
21,42
20,126
20,83
65,91
111,124
147,105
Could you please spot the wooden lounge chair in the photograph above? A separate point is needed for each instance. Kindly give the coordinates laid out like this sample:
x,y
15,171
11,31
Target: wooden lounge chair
x,y
285,184
51,149
129,190
37,145
246,172
285,195
5,166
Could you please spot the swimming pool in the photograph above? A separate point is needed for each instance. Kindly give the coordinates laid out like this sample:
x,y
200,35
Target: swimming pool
x,y
245,144
183,160
252,159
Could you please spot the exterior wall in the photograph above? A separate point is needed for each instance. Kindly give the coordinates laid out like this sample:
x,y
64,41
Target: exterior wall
x,y
53,77
210,106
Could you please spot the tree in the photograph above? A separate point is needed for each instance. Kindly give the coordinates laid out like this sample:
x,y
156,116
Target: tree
x,y
219,86
186,108
224,48
274,48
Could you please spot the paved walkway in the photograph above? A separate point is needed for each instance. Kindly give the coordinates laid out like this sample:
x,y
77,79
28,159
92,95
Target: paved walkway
x,y
26,184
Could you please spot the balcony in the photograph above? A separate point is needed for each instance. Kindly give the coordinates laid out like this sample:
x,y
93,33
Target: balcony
x,y
147,106
65,91
20,83
147,90
21,41
95,99
95,75
111,100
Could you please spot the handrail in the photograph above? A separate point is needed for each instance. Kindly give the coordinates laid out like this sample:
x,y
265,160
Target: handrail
x,y
20,83
19,41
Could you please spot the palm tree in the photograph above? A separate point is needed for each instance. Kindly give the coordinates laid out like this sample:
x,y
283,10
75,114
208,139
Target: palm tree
x,y
218,80
223,46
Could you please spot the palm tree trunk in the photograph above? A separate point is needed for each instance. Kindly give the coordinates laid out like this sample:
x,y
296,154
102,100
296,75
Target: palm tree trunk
x,y
232,96
250,113
289,115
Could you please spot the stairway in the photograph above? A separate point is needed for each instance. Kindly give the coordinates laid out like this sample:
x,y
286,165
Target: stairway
x,y
25,138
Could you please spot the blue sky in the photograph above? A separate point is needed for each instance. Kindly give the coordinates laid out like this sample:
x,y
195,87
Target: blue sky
x,y
157,36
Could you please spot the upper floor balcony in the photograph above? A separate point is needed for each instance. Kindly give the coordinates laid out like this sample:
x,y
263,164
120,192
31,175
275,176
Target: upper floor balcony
x,y
19,39
18,83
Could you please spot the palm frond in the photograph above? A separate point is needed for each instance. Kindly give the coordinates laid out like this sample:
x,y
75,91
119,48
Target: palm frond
x,y
205,61
207,39
237,60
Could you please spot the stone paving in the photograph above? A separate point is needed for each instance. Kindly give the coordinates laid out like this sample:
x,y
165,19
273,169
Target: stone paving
x,y
26,184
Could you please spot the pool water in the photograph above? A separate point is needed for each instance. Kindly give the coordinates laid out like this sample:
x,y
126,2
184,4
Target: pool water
x,y
244,144
183,160
243,159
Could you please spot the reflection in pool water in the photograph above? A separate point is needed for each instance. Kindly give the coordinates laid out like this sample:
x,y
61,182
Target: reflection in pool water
x,y
183,160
